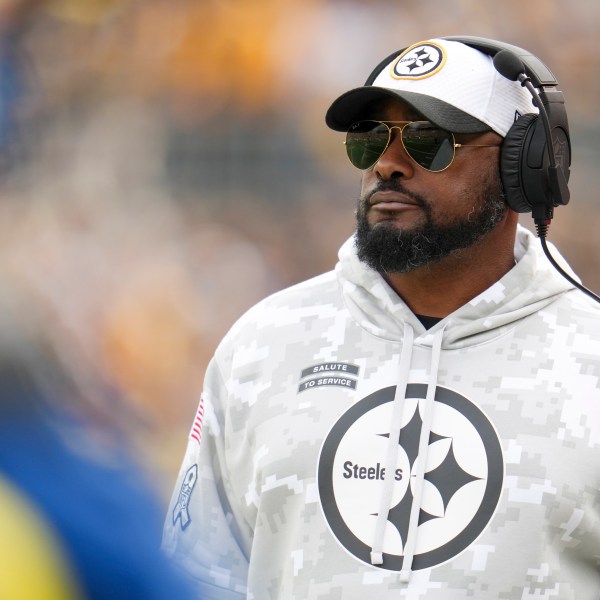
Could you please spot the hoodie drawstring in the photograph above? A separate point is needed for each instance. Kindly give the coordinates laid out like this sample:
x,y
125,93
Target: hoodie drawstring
x,y
418,471
421,461
392,446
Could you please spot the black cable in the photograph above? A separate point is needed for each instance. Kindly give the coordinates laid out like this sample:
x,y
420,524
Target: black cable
x,y
542,229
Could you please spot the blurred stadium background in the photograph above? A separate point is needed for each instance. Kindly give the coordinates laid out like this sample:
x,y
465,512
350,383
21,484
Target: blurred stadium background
x,y
164,164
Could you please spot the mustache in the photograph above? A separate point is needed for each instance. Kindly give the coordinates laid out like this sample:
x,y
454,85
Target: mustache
x,y
394,185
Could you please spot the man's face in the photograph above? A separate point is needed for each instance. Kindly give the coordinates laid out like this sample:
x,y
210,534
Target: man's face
x,y
408,217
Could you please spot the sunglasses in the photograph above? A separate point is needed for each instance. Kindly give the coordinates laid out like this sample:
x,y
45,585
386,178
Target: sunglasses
x,y
429,146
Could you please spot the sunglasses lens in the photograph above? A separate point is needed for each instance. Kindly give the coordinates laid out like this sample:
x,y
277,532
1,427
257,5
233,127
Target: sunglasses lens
x,y
425,143
428,146
366,141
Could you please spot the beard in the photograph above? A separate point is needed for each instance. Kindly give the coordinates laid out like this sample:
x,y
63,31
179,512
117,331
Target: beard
x,y
389,249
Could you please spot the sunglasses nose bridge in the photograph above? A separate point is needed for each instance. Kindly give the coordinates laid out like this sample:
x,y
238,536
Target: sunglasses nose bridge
x,y
391,137
390,158
391,130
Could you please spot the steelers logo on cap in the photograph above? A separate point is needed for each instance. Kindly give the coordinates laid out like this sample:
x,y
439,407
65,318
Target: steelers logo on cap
x,y
419,61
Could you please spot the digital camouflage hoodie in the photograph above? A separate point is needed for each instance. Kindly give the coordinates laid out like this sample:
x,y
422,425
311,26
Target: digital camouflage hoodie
x,y
342,451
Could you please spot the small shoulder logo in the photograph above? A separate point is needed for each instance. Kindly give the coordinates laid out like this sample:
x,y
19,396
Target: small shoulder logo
x,y
561,150
328,374
419,61
181,511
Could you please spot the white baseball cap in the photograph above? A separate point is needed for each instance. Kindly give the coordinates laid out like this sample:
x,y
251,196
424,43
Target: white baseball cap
x,y
451,84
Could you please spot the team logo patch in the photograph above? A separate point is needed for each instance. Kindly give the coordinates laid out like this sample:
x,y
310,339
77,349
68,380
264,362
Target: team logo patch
x,y
328,374
181,512
463,476
419,61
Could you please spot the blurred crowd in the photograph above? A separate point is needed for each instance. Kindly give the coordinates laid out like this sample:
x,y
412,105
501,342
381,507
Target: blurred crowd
x,y
164,164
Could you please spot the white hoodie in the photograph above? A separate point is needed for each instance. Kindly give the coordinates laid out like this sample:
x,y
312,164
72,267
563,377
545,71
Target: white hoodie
x,y
489,423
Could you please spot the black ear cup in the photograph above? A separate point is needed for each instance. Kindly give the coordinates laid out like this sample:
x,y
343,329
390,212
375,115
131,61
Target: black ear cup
x,y
513,159
524,165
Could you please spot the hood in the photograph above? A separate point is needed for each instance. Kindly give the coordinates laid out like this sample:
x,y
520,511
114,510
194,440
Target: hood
x,y
529,286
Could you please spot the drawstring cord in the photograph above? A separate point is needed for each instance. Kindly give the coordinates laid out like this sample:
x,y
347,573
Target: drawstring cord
x,y
418,471
421,462
392,446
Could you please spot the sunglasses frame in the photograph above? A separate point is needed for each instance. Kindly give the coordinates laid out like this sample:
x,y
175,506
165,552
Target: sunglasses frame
x,y
400,126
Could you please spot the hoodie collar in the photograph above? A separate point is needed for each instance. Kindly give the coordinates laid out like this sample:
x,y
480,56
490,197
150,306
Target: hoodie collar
x,y
532,284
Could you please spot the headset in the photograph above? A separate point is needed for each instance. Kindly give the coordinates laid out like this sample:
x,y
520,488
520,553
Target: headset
x,y
534,172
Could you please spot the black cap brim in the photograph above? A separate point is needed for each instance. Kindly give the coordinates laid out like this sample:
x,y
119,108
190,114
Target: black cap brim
x,y
356,105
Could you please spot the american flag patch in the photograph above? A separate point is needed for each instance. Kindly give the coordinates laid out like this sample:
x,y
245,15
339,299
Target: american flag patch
x,y
196,432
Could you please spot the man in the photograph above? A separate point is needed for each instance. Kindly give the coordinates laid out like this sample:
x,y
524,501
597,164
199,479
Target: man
x,y
424,421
